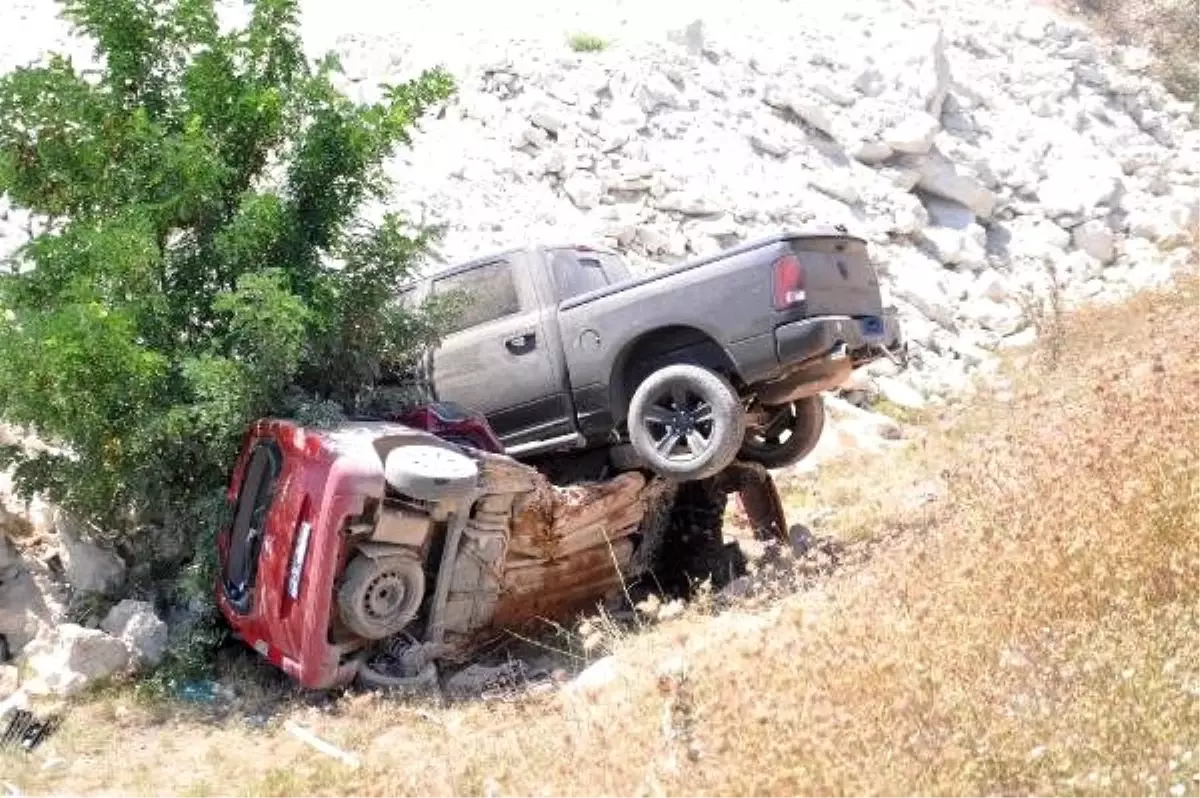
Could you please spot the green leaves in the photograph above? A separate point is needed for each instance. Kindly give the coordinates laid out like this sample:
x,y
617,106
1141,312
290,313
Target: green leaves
x,y
202,263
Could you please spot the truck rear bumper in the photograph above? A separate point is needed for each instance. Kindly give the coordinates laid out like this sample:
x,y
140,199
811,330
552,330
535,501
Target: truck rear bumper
x,y
813,338
819,354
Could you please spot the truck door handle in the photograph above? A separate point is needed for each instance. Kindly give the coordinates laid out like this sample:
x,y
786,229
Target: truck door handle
x,y
521,343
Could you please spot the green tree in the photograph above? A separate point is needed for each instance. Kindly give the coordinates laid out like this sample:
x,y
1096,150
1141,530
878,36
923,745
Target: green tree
x,y
202,259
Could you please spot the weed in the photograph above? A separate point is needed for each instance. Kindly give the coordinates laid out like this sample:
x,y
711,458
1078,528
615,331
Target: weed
x,y
586,43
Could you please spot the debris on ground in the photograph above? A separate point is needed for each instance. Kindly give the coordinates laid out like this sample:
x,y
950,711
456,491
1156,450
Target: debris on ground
x,y
26,731
329,749
508,681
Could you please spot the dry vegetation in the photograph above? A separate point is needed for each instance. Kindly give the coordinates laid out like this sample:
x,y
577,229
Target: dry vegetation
x,y
1169,29
1024,621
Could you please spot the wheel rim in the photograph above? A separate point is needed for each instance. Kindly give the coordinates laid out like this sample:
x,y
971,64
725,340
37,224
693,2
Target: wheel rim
x,y
778,430
681,424
384,596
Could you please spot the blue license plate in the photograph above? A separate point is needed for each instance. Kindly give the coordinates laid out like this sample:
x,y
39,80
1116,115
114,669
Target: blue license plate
x,y
872,326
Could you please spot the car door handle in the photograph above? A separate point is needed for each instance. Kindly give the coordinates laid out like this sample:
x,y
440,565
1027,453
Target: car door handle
x,y
521,343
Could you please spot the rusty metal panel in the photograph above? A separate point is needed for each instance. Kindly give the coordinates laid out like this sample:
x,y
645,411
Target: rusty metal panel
x,y
557,589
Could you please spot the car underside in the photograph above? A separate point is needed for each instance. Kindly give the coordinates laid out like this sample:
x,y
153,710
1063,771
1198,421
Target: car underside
x,y
378,549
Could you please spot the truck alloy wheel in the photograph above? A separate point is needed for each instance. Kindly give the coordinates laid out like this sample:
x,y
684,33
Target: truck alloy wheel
x,y
686,422
379,596
787,434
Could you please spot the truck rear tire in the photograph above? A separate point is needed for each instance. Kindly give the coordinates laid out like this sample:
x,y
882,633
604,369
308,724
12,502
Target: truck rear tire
x,y
686,422
790,434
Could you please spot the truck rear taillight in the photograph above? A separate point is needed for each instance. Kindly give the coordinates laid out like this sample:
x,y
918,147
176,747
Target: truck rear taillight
x,y
788,281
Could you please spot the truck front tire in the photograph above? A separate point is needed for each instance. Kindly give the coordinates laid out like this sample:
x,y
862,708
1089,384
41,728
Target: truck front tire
x,y
686,422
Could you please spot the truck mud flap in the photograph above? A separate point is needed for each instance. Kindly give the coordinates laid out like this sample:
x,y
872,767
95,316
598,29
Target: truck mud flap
x,y
758,497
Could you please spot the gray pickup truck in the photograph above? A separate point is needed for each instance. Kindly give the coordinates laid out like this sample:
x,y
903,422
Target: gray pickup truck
x,y
681,370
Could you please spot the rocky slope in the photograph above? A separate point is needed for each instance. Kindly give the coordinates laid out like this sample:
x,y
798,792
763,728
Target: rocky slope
x,y
987,153
978,147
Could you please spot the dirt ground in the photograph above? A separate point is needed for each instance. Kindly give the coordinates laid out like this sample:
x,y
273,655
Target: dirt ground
x,y
1007,605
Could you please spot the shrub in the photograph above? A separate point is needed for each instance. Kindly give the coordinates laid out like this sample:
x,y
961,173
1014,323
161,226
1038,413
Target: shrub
x,y
587,43
202,259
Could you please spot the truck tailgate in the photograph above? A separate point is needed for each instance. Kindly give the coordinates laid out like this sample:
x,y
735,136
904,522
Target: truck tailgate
x,y
839,279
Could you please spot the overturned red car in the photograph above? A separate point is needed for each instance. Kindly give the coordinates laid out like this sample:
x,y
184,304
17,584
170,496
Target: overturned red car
x,y
378,548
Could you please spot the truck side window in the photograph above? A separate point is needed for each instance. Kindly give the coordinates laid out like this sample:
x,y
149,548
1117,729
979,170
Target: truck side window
x,y
482,294
577,273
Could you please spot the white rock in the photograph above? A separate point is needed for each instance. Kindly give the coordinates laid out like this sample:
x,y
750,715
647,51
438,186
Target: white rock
x,y
765,142
838,184
813,115
658,92
919,70
1168,224
1075,188
991,285
548,120
913,135
651,239
945,213
136,624
584,190
1096,239
65,660
900,393
1000,318
90,567
871,152
869,429
27,605
596,678
948,245
941,178
688,203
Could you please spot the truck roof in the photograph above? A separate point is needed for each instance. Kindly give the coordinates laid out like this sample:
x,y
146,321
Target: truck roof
x,y
461,266
817,232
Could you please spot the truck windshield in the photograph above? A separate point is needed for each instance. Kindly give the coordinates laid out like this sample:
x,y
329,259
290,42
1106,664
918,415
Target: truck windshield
x,y
578,271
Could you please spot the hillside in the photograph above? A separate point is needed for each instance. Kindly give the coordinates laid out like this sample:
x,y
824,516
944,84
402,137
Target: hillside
x,y
1014,612
999,590
986,151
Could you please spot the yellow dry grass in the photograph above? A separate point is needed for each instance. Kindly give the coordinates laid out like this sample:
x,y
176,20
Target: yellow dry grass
x,y
1032,629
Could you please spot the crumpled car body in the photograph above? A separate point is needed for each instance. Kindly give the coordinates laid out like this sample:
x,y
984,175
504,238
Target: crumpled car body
x,y
421,538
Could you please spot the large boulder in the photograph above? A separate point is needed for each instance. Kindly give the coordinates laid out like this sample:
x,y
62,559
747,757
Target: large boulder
x,y
29,599
939,176
90,567
65,660
136,624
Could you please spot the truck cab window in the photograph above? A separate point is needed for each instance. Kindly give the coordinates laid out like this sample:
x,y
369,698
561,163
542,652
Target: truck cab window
x,y
479,295
578,271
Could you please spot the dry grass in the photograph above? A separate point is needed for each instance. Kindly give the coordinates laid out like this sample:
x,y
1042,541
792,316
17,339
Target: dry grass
x,y
1169,29
1032,629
